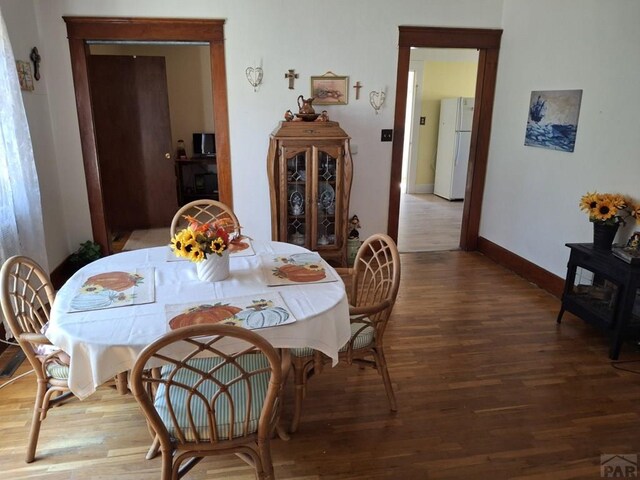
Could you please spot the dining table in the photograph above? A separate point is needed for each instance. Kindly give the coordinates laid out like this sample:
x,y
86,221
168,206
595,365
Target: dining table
x,y
103,342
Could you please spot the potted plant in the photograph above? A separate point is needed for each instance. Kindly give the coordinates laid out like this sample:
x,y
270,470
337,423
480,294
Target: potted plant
x,y
607,211
87,253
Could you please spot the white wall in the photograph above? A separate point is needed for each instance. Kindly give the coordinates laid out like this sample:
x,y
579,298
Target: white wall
x,y
531,194
530,204
356,38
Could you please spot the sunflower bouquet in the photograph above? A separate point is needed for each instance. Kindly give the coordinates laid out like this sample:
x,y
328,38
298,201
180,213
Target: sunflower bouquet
x,y
609,208
199,240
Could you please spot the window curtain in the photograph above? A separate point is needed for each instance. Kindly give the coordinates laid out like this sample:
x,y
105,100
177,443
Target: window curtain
x,y
21,228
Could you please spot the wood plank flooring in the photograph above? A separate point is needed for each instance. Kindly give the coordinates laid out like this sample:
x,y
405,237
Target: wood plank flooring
x,y
487,386
428,223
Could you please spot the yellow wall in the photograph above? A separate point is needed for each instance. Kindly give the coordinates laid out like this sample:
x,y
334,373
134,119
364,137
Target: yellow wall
x,y
188,86
440,80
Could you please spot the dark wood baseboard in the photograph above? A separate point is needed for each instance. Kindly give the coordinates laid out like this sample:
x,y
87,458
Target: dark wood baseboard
x,y
526,269
62,273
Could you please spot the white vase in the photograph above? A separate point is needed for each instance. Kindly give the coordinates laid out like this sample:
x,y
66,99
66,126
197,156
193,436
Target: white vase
x,y
213,268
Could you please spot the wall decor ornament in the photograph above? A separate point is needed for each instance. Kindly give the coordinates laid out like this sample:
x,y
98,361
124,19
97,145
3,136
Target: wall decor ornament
x,y
553,119
376,99
330,89
291,75
254,76
24,75
35,58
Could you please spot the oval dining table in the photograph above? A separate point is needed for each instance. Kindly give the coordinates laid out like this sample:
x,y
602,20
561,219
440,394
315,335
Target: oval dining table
x,y
105,342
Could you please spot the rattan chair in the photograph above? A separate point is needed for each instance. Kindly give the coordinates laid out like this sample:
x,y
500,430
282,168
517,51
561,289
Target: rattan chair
x,y
205,402
27,295
372,289
206,211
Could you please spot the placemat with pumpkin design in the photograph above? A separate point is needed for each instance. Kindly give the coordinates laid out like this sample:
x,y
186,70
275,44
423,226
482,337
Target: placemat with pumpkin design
x,y
114,289
295,269
252,311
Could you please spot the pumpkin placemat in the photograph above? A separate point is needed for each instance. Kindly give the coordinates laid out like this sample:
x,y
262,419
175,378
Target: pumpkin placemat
x,y
252,311
295,269
241,247
114,289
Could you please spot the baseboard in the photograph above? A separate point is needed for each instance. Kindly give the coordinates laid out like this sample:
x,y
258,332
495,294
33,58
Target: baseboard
x,y
62,273
526,269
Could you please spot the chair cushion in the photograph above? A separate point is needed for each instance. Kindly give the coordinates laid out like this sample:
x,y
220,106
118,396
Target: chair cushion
x,y
360,340
57,371
258,385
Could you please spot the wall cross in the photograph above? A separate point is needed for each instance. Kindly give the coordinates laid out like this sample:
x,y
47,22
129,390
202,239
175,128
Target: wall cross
x,y
291,76
357,86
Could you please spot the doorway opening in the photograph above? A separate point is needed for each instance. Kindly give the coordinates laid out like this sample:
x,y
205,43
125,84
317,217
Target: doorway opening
x,y
149,101
487,42
84,31
436,147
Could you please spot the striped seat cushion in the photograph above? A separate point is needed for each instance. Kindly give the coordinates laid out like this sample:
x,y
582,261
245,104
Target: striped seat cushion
x,y
59,372
178,396
360,340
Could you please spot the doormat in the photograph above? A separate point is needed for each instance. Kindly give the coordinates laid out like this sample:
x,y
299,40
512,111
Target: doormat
x,y
153,237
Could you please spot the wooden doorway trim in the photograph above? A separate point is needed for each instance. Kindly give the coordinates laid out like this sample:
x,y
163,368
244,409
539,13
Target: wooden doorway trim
x,y
488,44
81,30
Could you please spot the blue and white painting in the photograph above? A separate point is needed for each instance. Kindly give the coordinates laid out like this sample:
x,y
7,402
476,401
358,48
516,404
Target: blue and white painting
x,y
553,119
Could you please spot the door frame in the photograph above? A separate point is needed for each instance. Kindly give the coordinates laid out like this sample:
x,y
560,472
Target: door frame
x,y
81,31
487,42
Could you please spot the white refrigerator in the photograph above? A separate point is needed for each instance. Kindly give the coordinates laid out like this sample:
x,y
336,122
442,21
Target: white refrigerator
x,y
454,139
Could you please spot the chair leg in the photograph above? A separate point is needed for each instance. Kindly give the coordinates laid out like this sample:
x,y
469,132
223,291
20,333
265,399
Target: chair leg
x,y
153,449
264,450
167,466
381,364
121,383
298,375
36,421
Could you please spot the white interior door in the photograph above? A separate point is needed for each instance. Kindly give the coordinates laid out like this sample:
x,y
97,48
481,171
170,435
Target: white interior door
x,y
412,127
461,162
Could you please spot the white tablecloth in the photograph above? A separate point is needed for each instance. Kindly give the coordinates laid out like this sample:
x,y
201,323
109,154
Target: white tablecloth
x,y
105,342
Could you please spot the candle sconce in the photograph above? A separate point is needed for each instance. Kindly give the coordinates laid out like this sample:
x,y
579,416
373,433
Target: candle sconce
x,y
376,99
254,76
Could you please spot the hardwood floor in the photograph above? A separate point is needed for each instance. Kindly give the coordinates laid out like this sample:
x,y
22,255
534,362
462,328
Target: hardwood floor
x,y
488,387
428,223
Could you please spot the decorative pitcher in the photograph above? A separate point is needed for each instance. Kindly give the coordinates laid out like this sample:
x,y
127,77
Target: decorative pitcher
x,y
306,107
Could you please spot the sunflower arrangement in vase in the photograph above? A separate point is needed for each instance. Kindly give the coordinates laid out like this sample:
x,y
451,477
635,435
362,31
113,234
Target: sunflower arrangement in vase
x,y
206,244
607,211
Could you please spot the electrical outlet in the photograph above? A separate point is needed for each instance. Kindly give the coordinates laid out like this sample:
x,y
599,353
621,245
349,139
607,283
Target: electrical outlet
x,y
423,120
387,135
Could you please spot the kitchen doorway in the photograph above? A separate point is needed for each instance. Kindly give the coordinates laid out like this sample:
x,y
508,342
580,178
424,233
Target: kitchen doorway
x,y
428,221
487,42
84,31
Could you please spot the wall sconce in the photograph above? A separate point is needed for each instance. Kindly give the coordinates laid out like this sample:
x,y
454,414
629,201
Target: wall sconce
x,y
376,99
254,76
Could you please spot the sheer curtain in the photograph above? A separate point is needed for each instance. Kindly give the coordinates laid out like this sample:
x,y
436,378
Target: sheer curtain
x,y
21,228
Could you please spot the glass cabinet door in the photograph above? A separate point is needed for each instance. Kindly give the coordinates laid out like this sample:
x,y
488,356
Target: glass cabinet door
x,y
296,192
327,197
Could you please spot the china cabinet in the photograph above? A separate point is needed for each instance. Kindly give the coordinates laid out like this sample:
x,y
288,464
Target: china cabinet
x,y
310,171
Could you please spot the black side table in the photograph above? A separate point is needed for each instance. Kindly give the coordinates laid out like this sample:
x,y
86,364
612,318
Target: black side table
x,y
607,298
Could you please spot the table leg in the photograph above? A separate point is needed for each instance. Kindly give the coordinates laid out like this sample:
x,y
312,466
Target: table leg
x,y
121,383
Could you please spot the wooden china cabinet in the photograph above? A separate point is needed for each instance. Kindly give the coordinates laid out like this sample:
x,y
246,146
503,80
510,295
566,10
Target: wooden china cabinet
x,y
310,172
